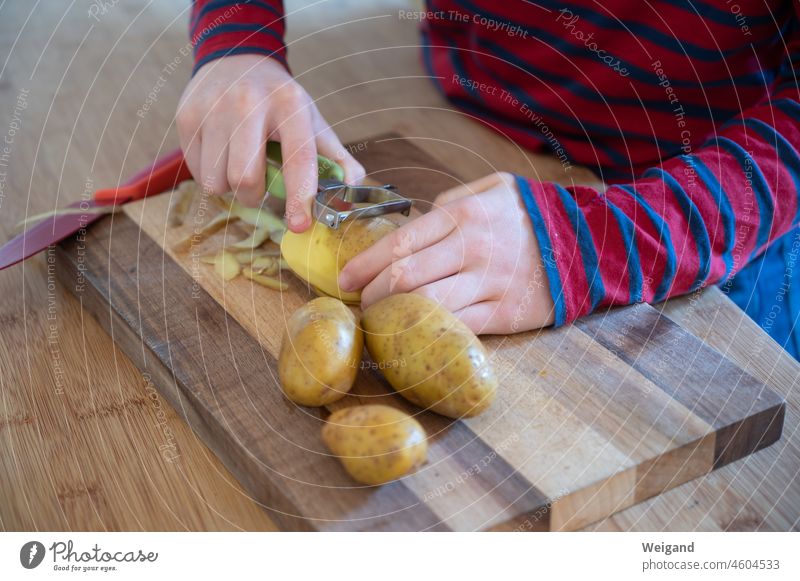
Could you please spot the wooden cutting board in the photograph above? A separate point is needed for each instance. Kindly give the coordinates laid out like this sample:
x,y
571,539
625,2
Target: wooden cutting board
x,y
589,420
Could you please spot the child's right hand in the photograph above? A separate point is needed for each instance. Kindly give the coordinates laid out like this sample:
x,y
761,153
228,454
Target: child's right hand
x,y
229,110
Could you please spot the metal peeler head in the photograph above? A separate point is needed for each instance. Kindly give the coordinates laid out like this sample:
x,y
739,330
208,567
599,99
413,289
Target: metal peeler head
x,y
336,202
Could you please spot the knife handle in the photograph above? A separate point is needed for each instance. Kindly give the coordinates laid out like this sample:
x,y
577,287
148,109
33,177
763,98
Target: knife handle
x,y
165,174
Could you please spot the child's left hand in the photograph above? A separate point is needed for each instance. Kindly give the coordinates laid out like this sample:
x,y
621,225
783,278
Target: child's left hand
x,y
475,253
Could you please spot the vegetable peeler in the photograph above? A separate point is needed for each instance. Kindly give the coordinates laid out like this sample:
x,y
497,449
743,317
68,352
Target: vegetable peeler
x,y
337,202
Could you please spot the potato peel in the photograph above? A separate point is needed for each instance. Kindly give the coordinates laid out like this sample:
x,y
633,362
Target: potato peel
x,y
264,265
266,281
258,217
180,202
227,266
256,239
212,226
249,255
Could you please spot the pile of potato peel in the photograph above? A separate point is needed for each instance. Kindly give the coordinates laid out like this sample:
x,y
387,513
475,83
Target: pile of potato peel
x,y
256,257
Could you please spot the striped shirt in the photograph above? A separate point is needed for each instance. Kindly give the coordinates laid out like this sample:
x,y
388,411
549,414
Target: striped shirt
x,y
689,110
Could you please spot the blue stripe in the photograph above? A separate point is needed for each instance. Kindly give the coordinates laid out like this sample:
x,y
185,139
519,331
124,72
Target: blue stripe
x,y
711,12
546,114
639,74
628,232
790,107
586,244
217,4
786,85
696,225
549,116
546,249
227,28
234,51
481,114
664,239
572,84
717,192
485,115
426,56
681,47
607,173
597,135
786,153
766,208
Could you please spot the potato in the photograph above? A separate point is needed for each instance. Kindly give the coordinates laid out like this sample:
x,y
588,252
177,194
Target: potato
x,y
320,353
319,254
428,356
376,443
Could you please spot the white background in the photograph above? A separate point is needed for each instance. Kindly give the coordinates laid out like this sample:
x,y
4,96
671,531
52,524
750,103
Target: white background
x,y
407,556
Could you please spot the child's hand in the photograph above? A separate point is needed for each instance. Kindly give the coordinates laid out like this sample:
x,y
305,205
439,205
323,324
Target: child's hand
x,y
477,255
229,110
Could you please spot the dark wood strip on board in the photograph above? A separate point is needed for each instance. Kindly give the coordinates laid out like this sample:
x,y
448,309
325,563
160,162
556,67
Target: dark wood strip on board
x,y
700,378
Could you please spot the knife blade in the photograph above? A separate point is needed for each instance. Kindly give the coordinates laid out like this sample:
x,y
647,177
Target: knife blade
x,y
163,174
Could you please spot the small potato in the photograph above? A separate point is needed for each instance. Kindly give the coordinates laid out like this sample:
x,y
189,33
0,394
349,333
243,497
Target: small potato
x,y
429,356
319,254
376,443
320,352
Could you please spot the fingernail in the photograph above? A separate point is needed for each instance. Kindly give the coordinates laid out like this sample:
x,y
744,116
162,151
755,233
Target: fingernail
x,y
345,282
297,222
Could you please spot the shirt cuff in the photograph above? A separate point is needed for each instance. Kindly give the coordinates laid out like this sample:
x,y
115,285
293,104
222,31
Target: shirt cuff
x,y
222,28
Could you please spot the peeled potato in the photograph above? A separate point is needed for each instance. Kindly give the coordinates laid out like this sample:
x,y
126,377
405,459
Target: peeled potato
x,y
376,443
429,356
320,353
319,254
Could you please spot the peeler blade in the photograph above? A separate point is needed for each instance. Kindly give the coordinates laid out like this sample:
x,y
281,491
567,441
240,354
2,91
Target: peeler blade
x,y
337,202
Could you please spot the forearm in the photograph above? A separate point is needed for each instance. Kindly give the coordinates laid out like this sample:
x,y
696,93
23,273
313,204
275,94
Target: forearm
x,y
695,220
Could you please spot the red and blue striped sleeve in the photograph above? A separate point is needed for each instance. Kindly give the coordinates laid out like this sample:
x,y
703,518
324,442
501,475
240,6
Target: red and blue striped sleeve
x,y
220,28
694,220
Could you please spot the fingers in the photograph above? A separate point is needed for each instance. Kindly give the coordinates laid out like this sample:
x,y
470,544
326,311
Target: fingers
x,y
192,149
299,153
189,137
457,292
426,230
477,187
226,113
214,158
328,144
411,272
247,160
484,318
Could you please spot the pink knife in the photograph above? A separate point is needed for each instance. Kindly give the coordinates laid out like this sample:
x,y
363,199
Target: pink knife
x,y
164,174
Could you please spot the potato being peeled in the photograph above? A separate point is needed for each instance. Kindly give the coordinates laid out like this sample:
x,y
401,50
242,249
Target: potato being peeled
x,y
319,254
320,353
429,356
376,443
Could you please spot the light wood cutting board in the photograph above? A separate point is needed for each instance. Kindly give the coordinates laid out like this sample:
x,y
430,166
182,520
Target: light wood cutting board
x,y
589,420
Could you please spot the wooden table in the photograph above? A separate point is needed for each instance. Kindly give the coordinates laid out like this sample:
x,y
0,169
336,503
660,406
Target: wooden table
x,y
81,433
